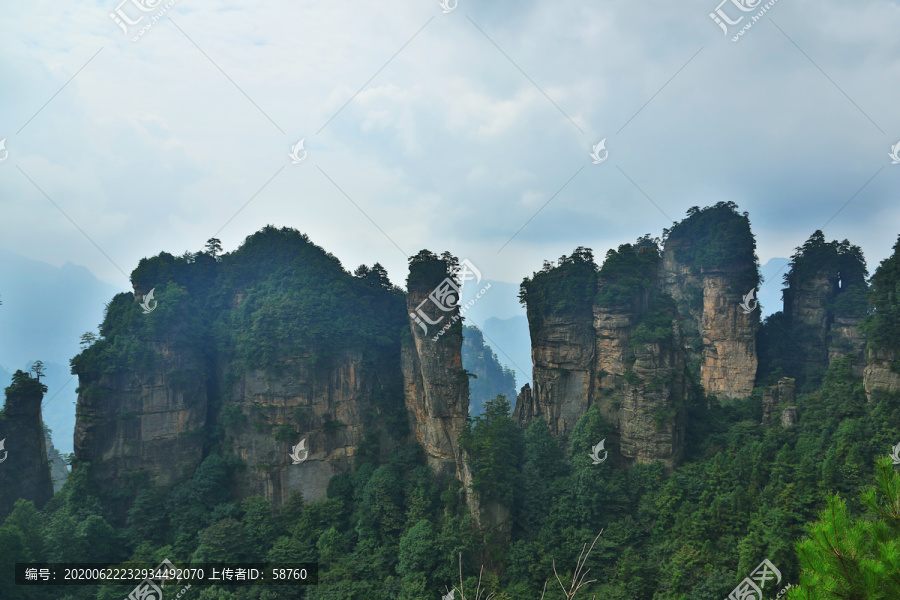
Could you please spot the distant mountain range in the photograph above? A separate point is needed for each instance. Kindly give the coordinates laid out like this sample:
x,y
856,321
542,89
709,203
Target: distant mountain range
x,y
44,311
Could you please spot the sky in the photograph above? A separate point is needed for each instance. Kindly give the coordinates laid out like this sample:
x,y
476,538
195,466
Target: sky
x,y
469,130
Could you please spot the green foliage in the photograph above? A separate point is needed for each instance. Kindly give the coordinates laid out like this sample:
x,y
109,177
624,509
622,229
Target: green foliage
x,y
568,286
882,327
716,238
854,558
628,274
492,442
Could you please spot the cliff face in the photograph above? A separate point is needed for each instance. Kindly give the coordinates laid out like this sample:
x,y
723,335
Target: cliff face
x,y
878,374
267,414
24,470
627,354
562,350
781,397
254,353
640,388
719,336
436,388
151,421
824,305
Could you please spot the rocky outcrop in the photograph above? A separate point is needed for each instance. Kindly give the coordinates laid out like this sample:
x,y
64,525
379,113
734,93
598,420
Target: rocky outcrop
x,y
271,348
436,387
150,421
640,388
328,409
780,397
626,355
789,416
824,305
720,337
526,409
878,374
562,351
24,470
58,470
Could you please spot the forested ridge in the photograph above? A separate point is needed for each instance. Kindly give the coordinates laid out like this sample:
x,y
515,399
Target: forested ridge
x,y
819,500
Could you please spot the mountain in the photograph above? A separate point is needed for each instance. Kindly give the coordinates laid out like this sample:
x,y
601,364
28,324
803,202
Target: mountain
x,y
273,406
492,378
511,342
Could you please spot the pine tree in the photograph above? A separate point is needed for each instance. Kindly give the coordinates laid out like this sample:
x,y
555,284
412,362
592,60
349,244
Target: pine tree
x,y
851,558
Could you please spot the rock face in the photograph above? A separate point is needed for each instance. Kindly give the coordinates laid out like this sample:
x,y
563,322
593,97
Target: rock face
x,y
151,421
627,355
267,415
824,305
58,471
781,396
213,371
719,336
640,388
562,351
526,410
24,470
878,374
436,388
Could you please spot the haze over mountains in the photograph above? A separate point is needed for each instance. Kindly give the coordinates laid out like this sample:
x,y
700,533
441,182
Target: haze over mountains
x,y
44,312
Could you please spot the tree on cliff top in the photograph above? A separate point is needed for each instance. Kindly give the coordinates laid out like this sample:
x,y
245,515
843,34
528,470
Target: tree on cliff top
x,y
713,238
23,383
833,259
567,286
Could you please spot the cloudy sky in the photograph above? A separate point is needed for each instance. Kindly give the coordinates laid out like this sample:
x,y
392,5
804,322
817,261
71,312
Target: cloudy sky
x,y
468,130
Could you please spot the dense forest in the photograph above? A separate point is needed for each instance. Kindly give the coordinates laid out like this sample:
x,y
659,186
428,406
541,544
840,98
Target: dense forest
x,y
819,500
